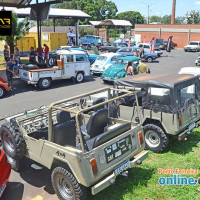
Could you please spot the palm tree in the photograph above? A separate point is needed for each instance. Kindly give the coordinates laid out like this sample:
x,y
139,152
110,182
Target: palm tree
x,y
19,29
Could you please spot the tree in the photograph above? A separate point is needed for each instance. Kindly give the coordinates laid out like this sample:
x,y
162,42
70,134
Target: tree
x,y
193,17
166,19
19,29
132,16
155,18
98,9
180,20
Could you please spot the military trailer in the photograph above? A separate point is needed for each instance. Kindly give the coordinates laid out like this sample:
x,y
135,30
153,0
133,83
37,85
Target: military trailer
x,y
85,145
168,105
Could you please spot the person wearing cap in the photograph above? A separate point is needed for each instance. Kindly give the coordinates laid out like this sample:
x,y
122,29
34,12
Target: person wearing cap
x,y
142,67
46,52
10,71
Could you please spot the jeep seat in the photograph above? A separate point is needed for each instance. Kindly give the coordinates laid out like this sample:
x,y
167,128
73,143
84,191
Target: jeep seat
x,y
63,116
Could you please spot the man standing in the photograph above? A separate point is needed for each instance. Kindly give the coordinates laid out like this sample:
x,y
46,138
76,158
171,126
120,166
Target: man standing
x,y
6,53
32,56
10,71
142,67
46,52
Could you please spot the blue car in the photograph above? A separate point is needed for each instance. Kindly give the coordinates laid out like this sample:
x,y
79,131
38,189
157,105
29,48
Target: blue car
x,y
128,51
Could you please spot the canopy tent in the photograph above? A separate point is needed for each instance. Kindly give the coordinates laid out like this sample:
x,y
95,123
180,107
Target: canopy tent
x,y
114,22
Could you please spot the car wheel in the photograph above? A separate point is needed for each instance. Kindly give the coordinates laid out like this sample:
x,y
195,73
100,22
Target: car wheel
x,y
149,59
196,64
66,186
44,83
79,77
156,139
51,62
13,143
2,92
185,50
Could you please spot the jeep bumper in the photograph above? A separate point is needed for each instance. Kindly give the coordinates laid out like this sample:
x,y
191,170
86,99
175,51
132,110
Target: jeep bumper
x,y
186,132
111,178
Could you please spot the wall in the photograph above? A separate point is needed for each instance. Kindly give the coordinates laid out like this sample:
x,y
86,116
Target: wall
x,y
182,34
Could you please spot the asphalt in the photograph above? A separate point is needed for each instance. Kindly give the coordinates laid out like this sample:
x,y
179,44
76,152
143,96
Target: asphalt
x,y
35,183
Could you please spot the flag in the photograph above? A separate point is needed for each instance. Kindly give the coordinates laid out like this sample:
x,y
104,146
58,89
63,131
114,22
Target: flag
x,y
129,43
152,44
168,48
144,39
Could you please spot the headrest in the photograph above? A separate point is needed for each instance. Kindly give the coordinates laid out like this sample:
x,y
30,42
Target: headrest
x,y
63,116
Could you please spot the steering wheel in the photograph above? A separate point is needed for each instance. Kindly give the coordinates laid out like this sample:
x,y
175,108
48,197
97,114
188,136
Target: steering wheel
x,y
83,103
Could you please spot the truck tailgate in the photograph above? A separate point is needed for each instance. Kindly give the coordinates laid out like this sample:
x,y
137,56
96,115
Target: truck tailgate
x,y
24,74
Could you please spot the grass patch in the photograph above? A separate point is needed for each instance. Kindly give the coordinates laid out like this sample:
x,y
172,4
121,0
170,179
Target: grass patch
x,y
142,182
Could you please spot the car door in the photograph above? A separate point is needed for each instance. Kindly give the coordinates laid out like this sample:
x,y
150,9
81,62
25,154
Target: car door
x,y
69,66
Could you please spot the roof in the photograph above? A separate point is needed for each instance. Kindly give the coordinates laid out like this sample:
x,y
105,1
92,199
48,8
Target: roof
x,y
63,51
190,70
154,80
50,29
95,23
54,12
129,58
110,54
115,22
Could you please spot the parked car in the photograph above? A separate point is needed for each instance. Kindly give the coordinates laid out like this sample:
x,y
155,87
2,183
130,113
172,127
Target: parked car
x,y
117,70
193,46
113,47
173,45
3,87
169,105
147,48
190,70
70,64
83,146
5,170
197,62
128,51
103,62
91,39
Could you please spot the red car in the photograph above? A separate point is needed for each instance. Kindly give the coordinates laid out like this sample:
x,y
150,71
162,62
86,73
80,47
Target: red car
x,y
5,170
3,87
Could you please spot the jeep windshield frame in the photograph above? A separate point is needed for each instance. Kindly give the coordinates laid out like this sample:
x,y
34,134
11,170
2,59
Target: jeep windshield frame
x,y
56,106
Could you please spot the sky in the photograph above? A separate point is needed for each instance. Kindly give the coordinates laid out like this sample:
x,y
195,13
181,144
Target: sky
x,y
158,7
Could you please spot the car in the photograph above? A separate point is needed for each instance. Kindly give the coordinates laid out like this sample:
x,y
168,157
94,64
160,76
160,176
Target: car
x,y
190,70
128,51
98,145
91,39
192,46
102,62
147,48
197,62
113,47
173,44
169,106
117,70
5,169
70,64
3,87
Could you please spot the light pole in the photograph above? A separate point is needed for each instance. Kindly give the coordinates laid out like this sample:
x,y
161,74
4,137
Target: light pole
x,y
148,7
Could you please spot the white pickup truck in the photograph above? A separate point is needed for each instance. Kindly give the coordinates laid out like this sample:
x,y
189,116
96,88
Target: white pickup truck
x,y
70,64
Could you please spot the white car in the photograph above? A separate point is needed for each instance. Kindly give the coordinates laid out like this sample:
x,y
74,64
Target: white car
x,y
103,62
193,46
190,71
147,48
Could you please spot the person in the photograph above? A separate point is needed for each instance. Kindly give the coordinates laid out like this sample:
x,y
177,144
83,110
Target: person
x,y
6,53
17,55
32,56
10,71
141,53
129,69
46,52
142,67
135,53
38,56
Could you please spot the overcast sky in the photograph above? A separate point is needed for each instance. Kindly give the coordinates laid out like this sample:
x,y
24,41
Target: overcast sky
x,y
158,7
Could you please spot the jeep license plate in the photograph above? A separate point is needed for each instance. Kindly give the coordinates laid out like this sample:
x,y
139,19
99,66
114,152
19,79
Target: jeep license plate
x,y
191,126
119,169
2,189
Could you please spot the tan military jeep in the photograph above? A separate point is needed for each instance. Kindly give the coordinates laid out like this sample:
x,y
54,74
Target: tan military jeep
x,y
86,146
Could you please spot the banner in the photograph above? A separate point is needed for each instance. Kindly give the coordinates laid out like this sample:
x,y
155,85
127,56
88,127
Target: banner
x,y
129,43
152,44
5,23
144,39
168,48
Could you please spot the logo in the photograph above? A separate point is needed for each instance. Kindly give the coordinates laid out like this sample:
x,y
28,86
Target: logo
x,y
5,23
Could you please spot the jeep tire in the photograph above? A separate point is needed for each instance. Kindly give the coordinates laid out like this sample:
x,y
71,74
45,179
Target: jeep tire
x,y
44,83
66,186
156,139
2,91
13,142
79,77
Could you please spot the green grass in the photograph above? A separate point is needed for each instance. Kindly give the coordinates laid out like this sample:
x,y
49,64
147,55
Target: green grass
x,y
142,182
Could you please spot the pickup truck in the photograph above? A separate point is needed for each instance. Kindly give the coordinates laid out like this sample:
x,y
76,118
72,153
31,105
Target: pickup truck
x,y
70,64
112,47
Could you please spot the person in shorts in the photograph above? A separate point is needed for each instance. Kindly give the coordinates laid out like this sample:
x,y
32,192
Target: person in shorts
x,y
6,53
142,67
10,72
46,52
129,69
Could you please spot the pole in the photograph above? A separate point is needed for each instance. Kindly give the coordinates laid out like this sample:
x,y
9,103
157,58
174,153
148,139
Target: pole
x,y
173,12
54,24
77,32
148,15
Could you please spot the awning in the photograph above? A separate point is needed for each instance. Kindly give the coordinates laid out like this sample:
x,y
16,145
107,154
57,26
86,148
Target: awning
x,y
114,22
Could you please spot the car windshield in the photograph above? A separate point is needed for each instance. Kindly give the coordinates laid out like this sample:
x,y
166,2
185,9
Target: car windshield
x,y
187,93
101,58
193,43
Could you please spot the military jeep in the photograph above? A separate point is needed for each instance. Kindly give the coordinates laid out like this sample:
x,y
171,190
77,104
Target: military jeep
x,y
85,145
168,105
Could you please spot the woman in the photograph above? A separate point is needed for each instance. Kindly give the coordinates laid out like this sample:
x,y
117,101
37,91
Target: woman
x,y
129,69
17,55
6,53
135,53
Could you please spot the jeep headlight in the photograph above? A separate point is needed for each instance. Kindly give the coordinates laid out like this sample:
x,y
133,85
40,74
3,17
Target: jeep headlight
x,y
118,75
104,74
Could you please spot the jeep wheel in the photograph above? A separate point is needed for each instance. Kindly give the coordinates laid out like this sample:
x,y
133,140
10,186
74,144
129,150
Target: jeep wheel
x,y
66,186
16,164
2,92
79,77
13,142
149,59
156,139
44,83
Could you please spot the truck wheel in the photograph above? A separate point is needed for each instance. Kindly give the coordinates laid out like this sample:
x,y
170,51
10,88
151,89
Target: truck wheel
x,y
16,164
156,139
149,59
2,92
66,186
79,77
13,142
44,83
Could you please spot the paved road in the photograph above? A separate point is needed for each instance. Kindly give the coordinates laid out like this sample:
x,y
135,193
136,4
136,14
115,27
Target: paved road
x,y
35,184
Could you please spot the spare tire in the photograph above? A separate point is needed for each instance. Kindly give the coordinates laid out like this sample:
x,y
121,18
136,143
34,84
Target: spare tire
x,y
13,143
